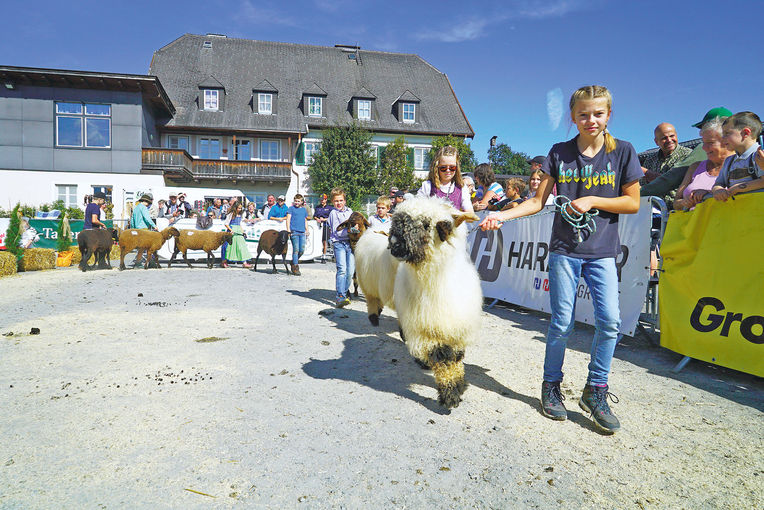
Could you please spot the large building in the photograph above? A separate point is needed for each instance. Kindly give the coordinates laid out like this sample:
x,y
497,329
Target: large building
x,y
214,113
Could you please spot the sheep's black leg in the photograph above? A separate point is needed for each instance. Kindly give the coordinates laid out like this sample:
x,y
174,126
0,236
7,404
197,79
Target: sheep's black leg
x,y
273,261
84,260
172,258
355,284
448,369
283,259
257,259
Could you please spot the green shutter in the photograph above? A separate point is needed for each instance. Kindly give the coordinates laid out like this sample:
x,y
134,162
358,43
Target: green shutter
x,y
410,156
381,158
300,156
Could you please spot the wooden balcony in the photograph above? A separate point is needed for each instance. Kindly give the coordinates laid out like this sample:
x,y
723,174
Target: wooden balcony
x,y
179,165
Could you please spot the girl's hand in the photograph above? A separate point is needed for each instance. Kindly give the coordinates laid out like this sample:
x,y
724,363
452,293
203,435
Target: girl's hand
x,y
582,205
696,196
722,195
490,222
478,206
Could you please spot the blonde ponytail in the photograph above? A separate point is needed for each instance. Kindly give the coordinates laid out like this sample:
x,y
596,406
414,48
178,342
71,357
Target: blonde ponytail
x,y
609,142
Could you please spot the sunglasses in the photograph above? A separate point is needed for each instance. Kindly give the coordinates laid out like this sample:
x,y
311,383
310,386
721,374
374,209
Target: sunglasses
x,y
447,168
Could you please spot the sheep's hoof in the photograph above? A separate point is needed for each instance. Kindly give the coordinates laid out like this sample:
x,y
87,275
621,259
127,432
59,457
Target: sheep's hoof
x,y
450,396
374,319
403,337
422,364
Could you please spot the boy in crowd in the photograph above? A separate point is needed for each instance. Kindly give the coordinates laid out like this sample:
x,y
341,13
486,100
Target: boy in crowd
x,y
514,190
743,172
296,217
381,220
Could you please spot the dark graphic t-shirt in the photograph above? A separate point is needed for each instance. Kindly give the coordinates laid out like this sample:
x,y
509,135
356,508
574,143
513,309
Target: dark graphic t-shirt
x,y
578,176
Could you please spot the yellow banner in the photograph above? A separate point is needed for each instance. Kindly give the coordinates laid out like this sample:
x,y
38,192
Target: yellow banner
x,y
711,293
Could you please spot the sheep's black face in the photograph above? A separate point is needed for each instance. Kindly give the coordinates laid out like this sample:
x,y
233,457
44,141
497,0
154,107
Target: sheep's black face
x,y
409,238
283,237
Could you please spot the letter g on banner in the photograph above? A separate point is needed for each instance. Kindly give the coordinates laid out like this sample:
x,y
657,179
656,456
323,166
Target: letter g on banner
x,y
494,241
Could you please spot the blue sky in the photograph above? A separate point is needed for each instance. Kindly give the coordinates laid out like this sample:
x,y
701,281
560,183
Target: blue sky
x,y
513,63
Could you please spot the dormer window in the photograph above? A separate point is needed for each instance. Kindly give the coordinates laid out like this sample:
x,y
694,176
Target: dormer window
x,y
315,106
211,99
409,112
264,103
364,109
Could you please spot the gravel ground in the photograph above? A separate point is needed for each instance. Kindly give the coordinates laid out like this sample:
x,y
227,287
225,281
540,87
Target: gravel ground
x,y
196,388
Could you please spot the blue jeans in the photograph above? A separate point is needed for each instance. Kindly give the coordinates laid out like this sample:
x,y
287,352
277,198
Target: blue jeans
x,y
602,278
298,246
345,267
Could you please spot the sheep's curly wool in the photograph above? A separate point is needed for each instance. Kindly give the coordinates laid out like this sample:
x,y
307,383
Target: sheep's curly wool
x,y
437,291
147,240
206,240
375,268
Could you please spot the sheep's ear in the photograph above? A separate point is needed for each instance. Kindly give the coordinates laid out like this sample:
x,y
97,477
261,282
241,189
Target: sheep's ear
x,y
342,226
444,229
461,217
366,223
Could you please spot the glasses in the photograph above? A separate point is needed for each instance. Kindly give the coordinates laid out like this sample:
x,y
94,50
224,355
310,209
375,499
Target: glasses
x,y
447,168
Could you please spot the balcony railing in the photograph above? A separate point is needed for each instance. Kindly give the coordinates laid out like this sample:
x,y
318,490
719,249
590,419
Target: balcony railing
x,y
177,163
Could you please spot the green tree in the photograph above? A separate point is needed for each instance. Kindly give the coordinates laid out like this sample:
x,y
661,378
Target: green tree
x,y
13,234
506,161
63,234
345,160
397,167
467,159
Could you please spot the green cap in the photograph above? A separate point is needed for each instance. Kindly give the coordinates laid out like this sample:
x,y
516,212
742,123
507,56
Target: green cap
x,y
712,114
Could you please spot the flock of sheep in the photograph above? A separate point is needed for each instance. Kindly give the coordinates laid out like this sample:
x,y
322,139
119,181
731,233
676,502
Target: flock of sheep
x,y
421,269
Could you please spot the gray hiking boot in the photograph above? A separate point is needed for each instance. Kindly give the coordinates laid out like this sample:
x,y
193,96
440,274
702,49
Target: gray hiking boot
x,y
594,401
551,401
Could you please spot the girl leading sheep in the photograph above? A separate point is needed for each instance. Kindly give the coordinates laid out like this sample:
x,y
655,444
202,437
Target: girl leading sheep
x,y
594,171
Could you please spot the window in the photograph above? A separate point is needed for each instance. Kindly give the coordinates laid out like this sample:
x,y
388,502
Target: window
x,y
83,125
177,142
209,148
421,158
210,99
67,193
242,150
364,109
409,112
311,149
106,190
315,106
269,150
265,104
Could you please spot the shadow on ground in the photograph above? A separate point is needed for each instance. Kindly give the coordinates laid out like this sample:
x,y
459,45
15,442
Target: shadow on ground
x,y
737,386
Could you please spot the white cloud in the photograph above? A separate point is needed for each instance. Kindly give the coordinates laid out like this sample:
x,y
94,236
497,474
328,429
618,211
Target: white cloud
x,y
466,31
554,108
264,15
546,9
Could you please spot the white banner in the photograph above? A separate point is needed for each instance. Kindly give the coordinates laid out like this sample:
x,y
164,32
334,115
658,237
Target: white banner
x,y
512,263
313,245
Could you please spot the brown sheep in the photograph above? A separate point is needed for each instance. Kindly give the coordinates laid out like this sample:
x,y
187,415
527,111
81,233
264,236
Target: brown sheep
x,y
273,242
96,242
147,240
356,225
200,240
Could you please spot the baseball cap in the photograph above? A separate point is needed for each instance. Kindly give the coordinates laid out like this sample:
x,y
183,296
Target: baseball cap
x,y
281,197
538,159
323,196
99,194
712,114
399,194
173,195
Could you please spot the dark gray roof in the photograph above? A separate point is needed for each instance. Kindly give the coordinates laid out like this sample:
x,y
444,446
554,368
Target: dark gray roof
x,y
265,86
363,93
211,83
242,65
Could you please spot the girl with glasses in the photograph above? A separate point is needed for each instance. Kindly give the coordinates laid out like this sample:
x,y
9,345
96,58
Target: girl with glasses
x,y
445,180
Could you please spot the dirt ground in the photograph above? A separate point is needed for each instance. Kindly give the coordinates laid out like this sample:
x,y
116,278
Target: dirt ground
x,y
196,388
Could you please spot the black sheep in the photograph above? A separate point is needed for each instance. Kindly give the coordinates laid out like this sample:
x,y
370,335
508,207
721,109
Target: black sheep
x,y
98,242
273,242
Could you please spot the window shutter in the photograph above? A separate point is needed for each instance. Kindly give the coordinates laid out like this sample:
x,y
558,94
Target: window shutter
x,y
410,156
381,156
300,156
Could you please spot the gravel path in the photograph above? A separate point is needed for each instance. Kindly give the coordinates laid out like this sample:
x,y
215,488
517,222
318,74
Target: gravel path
x,y
196,388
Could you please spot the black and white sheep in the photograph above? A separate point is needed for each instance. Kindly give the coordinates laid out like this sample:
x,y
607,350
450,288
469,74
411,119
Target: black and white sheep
x,y
437,291
199,240
144,240
376,269
356,225
273,242
98,242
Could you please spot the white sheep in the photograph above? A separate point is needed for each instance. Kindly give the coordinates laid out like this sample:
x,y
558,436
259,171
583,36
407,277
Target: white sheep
x,y
375,268
437,291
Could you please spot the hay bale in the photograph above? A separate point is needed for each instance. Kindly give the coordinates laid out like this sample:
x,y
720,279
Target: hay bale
x,y
38,259
8,264
76,256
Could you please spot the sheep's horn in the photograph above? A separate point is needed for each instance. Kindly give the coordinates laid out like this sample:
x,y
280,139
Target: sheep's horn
x,y
464,216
